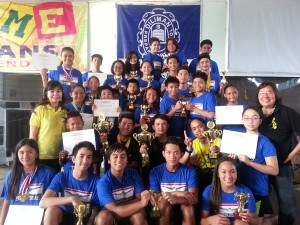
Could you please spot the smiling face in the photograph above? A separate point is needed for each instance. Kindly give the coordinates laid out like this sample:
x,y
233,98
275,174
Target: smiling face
x,y
118,161
197,127
126,126
67,58
183,76
154,47
251,120
78,95
204,65
146,68
106,94
151,96
133,59
173,64
160,126
199,85
171,47
96,63
231,94
227,174
118,68
54,96
27,156
172,89
83,159
266,97
74,123
172,155
93,84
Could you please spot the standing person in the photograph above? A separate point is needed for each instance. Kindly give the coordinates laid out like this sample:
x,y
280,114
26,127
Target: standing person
x,y
27,178
97,60
94,87
117,68
65,73
218,204
279,124
172,47
172,70
132,66
146,69
76,187
47,124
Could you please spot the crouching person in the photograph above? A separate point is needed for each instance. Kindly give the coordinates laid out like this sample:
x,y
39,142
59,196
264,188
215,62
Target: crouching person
x,y
120,190
177,183
75,187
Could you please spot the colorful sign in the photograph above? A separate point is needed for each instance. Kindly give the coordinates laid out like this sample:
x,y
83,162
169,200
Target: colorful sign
x,y
41,28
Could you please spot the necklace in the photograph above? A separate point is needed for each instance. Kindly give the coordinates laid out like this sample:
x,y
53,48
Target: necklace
x,y
268,112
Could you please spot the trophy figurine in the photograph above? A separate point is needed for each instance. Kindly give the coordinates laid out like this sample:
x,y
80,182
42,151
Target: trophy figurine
x,y
118,78
190,86
150,78
133,74
81,211
211,134
224,81
155,213
131,99
103,127
165,74
145,137
184,102
242,199
145,109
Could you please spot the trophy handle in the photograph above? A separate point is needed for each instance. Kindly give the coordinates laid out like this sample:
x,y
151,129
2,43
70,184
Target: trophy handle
x,y
135,136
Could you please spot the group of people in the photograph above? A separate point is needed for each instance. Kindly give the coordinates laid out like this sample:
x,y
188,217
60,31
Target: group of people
x,y
180,164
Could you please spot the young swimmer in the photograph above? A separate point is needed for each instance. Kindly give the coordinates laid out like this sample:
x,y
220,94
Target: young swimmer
x,y
173,67
117,68
26,183
97,60
93,85
132,66
146,69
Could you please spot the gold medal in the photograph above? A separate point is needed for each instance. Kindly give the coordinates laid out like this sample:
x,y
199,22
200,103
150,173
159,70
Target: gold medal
x,y
23,197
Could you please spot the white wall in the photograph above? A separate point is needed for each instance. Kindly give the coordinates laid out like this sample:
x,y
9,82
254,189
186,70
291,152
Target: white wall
x,y
103,29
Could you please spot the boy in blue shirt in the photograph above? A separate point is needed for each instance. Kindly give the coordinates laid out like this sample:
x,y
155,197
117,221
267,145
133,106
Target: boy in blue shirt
x,y
121,192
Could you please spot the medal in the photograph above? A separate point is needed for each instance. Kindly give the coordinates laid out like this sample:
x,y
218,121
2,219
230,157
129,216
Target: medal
x,y
69,77
22,197
24,190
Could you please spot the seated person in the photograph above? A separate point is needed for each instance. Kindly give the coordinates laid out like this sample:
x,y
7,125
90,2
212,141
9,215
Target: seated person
x,y
177,182
120,190
75,187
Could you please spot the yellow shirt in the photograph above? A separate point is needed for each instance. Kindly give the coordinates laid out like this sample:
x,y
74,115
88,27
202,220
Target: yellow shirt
x,y
203,151
51,125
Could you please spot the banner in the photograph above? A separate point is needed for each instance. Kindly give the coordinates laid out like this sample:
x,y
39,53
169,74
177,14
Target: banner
x,y
138,23
41,28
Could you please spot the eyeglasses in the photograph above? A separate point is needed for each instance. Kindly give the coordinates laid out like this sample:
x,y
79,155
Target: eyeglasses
x,y
255,118
266,93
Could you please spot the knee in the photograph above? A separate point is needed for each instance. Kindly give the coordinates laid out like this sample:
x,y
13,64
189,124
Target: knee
x,y
165,208
138,218
188,212
104,217
53,214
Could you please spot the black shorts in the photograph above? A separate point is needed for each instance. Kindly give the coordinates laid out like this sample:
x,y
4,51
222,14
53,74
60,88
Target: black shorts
x,y
263,204
70,219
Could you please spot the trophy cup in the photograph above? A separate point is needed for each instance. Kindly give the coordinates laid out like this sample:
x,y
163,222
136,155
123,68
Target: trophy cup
x,y
81,211
145,109
165,74
150,78
103,127
242,199
184,102
133,74
131,99
155,213
190,86
144,137
165,58
224,81
118,78
211,134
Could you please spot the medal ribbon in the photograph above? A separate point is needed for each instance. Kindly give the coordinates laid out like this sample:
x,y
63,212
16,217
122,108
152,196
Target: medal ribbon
x,y
26,183
208,82
77,109
68,75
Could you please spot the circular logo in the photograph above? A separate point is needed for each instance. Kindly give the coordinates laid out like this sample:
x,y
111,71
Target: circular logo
x,y
157,23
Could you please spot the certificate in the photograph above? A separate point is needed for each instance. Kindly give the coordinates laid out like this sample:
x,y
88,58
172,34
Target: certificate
x,y
88,120
24,214
44,60
101,76
229,114
107,107
239,143
72,138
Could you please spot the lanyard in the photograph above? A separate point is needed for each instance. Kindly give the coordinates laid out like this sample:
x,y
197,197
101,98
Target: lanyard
x,y
208,82
26,183
69,76
77,109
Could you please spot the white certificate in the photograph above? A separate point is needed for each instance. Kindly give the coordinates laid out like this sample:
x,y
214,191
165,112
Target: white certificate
x,y
107,107
229,114
101,76
88,120
24,214
70,139
239,143
44,60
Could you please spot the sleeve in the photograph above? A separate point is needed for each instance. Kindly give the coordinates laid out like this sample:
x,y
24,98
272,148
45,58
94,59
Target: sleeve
x,y
50,175
106,83
163,106
205,199
79,75
57,182
211,103
4,193
35,119
51,74
268,148
104,192
154,180
192,66
192,178
138,186
85,77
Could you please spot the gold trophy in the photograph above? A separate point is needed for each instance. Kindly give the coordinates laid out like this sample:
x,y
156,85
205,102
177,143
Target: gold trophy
x,y
81,211
190,86
211,134
103,127
165,74
155,213
131,99
150,78
242,199
118,78
145,137
133,74
145,109
224,81
184,102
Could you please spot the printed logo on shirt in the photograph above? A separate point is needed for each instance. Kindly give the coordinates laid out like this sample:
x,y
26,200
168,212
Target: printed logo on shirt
x,y
212,84
170,187
84,196
123,194
178,112
35,191
157,65
228,209
199,106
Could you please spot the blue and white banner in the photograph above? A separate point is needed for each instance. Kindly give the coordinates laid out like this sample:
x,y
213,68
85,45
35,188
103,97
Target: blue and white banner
x,y
138,23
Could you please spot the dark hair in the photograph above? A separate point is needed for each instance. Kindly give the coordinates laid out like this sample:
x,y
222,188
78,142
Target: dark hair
x,y
197,118
153,39
133,81
97,56
17,167
116,147
171,80
230,85
126,116
275,90
183,68
216,190
106,87
156,104
84,144
206,42
75,86
203,56
173,57
95,78
64,49
175,141
160,116
200,75
147,61
113,65
73,114
256,109
128,66
174,42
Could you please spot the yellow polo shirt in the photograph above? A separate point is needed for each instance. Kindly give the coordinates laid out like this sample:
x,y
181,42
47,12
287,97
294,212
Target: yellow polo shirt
x,y
51,125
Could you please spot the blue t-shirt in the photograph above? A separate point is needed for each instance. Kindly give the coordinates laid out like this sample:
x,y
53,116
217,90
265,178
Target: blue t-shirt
x,y
83,109
236,127
177,124
213,66
157,63
257,181
119,190
228,204
65,184
124,100
143,84
59,75
182,58
184,178
38,185
139,113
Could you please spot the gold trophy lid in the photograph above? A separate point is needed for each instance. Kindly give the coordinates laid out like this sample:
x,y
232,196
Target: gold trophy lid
x,y
102,117
210,124
144,127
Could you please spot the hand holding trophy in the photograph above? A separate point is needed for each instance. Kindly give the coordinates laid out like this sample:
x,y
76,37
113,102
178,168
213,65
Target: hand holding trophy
x,y
155,213
81,211
145,109
242,199
150,78
134,74
118,79
131,99
211,134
